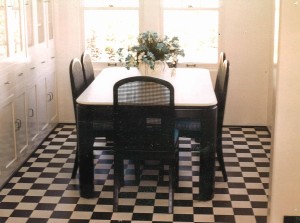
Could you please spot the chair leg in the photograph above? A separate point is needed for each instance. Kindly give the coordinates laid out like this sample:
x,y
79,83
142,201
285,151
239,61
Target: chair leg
x,y
137,171
171,187
121,174
221,160
161,171
177,171
75,167
117,174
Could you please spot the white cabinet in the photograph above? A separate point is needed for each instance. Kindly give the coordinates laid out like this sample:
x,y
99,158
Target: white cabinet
x,y
13,121
28,100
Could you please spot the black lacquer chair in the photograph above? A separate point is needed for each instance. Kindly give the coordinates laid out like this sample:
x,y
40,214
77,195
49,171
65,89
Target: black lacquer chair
x,y
144,122
78,85
221,94
192,128
102,121
87,66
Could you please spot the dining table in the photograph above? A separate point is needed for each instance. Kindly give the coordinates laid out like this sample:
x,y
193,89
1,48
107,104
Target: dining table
x,y
194,99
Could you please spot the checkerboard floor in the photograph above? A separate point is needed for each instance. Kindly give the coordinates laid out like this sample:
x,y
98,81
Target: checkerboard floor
x,y
43,191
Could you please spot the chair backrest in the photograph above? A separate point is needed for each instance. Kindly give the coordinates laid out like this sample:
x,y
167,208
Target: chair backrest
x,y
78,84
87,66
144,114
221,90
222,57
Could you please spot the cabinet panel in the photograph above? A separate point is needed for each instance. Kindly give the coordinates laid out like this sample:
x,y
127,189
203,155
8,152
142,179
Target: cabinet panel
x,y
3,37
29,22
42,103
32,120
52,98
20,122
7,144
16,27
40,21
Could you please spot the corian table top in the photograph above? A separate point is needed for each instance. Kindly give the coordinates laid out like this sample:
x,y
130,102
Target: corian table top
x,y
193,86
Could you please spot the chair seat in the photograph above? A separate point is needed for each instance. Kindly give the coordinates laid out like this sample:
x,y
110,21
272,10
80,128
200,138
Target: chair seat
x,y
188,125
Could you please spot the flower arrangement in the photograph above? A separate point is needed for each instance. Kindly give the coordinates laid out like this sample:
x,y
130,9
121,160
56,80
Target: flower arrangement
x,y
151,48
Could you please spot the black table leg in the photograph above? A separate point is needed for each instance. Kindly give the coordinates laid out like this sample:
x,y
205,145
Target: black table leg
x,y
207,156
85,151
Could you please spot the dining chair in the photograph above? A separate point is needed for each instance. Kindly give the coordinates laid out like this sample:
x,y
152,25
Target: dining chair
x,y
192,127
221,94
102,127
144,119
87,66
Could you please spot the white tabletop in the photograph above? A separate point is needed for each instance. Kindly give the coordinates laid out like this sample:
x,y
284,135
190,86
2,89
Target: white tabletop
x,y
193,86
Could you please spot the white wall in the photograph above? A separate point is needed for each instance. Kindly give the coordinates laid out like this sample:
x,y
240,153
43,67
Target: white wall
x,y
69,44
247,40
285,177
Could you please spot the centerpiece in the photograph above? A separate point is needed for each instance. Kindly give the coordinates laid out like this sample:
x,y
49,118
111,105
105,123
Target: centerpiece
x,y
151,53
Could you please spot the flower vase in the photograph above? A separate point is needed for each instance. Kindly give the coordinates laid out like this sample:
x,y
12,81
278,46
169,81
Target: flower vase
x,y
160,69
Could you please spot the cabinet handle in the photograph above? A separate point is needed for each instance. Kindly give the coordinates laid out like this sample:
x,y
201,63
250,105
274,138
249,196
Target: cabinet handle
x,y
30,112
43,62
49,97
191,65
112,64
32,68
20,74
52,57
18,124
7,82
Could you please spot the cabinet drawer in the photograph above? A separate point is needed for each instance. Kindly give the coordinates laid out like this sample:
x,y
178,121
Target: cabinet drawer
x,y
36,70
6,86
20,75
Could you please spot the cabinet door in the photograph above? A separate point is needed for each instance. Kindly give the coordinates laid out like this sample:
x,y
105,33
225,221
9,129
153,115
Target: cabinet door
x,y
7,144
29,23
41,32
20,122
14,27
32,120
50,34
